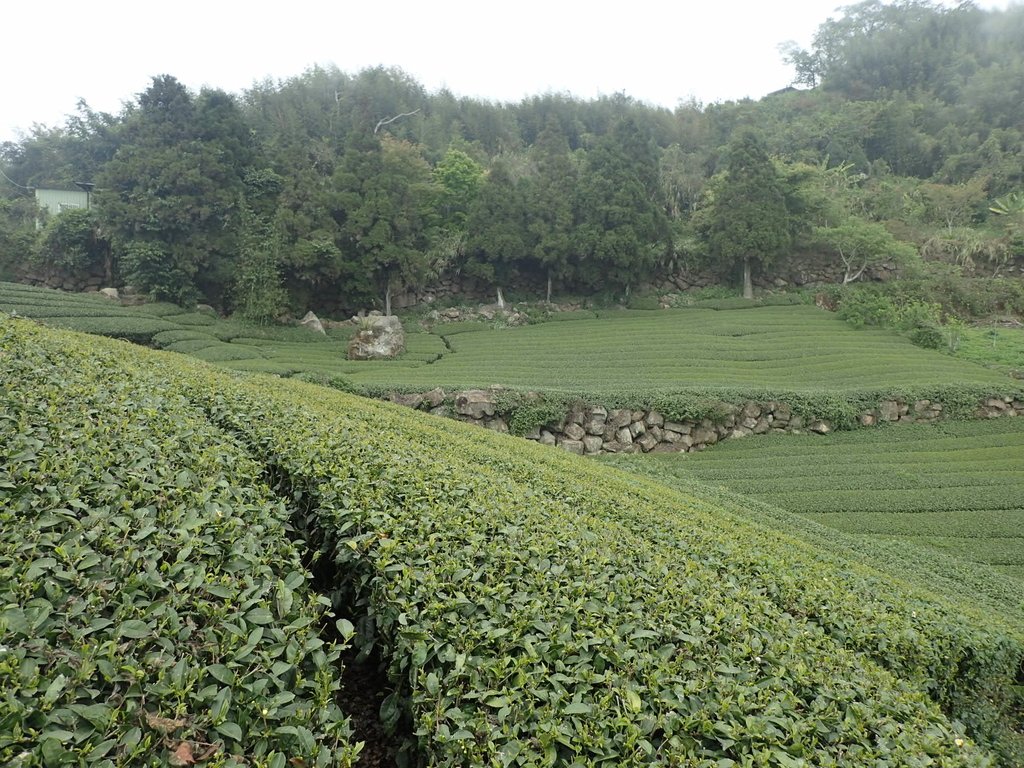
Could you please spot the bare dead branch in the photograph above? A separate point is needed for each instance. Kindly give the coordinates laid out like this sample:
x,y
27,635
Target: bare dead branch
x,y
387,121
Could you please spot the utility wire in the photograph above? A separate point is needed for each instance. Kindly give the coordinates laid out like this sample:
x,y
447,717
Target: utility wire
x,y
21,186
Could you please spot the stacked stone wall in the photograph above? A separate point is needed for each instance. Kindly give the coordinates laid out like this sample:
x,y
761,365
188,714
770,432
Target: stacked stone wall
x,y
594,429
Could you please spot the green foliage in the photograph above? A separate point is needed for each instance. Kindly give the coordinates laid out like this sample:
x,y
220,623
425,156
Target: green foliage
x,y
863,244
258,291
327,380
149,266
516,565
645,625
70,241
928,336
169,193
459,177
619,227
497,235
747,220
526,414
210,636
955,479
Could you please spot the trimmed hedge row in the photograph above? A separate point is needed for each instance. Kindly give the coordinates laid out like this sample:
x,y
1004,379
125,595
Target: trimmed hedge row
x,y
954,479
538,609
152,608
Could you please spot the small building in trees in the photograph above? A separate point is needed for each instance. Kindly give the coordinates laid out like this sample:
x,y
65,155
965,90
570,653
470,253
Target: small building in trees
x,y
55,201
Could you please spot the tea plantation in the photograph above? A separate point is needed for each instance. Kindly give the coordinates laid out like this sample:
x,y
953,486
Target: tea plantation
x,y
617,353
956,486
531,607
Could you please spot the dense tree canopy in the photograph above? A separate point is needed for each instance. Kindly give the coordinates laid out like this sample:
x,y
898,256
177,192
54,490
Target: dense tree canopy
x,y
906,128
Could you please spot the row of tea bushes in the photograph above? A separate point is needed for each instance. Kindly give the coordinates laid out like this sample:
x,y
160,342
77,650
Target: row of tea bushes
x,y
538,609
959,485
152,609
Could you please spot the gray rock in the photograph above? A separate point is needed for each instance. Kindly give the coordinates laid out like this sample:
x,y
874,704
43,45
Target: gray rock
x,y
751,410
412,400
612,447
762,426
110,293
475,403
704,436
821,427
618,417
657,432
675,426
572,446
647,442
434,397
312,322
592,445
624,436
741,432
868,419
382,338
546,438
654,419
574,431
496,425
636,429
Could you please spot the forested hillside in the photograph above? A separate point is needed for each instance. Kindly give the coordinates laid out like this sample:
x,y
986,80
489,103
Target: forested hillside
x,y
902,139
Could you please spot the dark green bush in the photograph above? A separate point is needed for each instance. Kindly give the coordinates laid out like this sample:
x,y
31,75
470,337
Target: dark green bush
x,y
928,336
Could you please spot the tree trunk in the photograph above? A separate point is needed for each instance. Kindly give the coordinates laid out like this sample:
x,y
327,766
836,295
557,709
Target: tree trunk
x,y
501,299
548,299
748,284
387,299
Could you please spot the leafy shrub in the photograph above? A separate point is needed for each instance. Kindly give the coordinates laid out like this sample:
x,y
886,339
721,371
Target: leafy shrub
x,y
339,383
867,307
152,605
525,417
928,336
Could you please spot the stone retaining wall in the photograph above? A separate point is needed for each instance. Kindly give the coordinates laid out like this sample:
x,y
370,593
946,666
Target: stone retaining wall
x,y
594,429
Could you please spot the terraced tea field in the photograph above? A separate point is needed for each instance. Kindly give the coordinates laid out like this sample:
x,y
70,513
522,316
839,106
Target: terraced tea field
x,y
957,487
531,607
785,348
782,348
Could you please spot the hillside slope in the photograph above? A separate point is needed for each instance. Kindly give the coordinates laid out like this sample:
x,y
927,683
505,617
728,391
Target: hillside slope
x,y
535,608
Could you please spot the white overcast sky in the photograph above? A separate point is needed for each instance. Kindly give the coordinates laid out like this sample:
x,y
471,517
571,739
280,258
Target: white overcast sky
x,y
105,51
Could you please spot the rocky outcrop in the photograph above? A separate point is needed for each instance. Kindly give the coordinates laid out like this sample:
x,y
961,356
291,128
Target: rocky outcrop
x,y
380,337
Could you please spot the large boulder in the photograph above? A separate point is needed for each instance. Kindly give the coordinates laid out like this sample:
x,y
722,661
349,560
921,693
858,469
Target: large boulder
x,y
378,338
312,322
